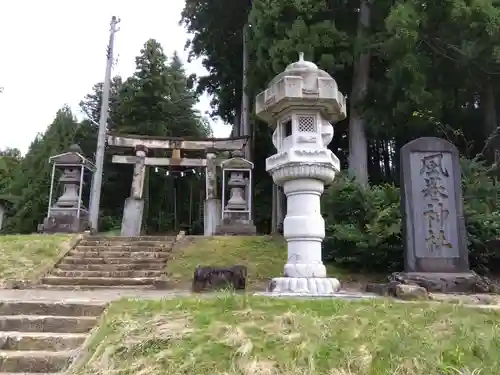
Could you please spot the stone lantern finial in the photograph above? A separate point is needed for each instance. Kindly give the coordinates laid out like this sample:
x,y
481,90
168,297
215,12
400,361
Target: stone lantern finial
x,y
301,56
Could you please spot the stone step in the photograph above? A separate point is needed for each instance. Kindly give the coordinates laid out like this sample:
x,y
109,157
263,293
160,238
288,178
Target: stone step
x,y
108,242
51,308
108,281
35,361
133,274
131,248
45,323
111,267
94,287
41,341
119,254
107,260
129,239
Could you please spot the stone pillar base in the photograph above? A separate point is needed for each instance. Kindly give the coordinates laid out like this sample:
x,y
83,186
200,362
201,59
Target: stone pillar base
x,y
236,229
211,216
132,217
61,223
303,285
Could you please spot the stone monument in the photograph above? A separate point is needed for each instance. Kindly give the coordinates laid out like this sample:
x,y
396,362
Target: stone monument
x,y
301,104
68,214
436,254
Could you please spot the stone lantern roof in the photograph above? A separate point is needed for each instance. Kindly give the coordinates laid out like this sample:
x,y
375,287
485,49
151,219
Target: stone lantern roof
x,y
72,157
301,68
301,85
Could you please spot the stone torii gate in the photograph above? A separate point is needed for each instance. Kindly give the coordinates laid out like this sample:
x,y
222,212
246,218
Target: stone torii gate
x,y
134,205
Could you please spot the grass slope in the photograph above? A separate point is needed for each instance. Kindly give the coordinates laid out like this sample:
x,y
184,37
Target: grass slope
x,y
264,256
24,257
240,335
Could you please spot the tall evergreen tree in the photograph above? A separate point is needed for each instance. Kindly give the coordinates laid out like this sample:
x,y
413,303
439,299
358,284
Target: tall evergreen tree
x,y
145,106
156,101
91,104
10,159
183,100
31,183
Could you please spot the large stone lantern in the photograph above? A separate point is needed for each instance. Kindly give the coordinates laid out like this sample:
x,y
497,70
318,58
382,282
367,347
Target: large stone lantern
x,y
67,213
301,104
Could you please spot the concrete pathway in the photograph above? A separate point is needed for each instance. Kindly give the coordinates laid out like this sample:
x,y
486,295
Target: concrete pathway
x,y
98,295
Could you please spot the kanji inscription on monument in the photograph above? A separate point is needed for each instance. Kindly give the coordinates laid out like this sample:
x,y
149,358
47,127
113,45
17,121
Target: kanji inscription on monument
x,y
432,207
432,204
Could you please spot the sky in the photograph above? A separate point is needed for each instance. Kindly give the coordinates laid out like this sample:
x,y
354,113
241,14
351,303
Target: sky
x,y
54,51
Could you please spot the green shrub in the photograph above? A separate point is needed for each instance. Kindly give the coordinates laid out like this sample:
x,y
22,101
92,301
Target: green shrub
x,y
482,214
364,225
109,223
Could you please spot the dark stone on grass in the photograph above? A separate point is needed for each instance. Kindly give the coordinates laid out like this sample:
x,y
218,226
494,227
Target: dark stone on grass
x,y
383,289
216,278
469,282
411,292
463,283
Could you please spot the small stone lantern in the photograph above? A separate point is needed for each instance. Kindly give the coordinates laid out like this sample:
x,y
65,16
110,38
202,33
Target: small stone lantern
x,y
68,214
301,104
236,218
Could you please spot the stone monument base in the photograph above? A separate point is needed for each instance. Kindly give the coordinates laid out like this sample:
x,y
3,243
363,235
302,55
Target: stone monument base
x,y
236,229
466,282
65,224
304,285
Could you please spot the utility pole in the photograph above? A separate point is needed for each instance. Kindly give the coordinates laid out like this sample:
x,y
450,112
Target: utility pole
x,y
245,101
95,195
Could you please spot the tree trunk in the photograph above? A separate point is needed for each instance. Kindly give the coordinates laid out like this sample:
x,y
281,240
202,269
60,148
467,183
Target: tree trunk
x,y
387,163
492,150
489,108
358,146
235,131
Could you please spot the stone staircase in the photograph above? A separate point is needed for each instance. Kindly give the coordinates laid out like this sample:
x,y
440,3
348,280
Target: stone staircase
x,y
43,337
107,262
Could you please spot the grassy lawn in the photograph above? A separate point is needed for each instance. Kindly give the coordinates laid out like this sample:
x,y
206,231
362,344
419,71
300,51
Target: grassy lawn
x,y
23,257
264,256
240,335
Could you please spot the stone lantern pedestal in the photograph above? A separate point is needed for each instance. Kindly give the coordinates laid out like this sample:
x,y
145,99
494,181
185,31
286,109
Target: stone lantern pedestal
x,y
301,104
